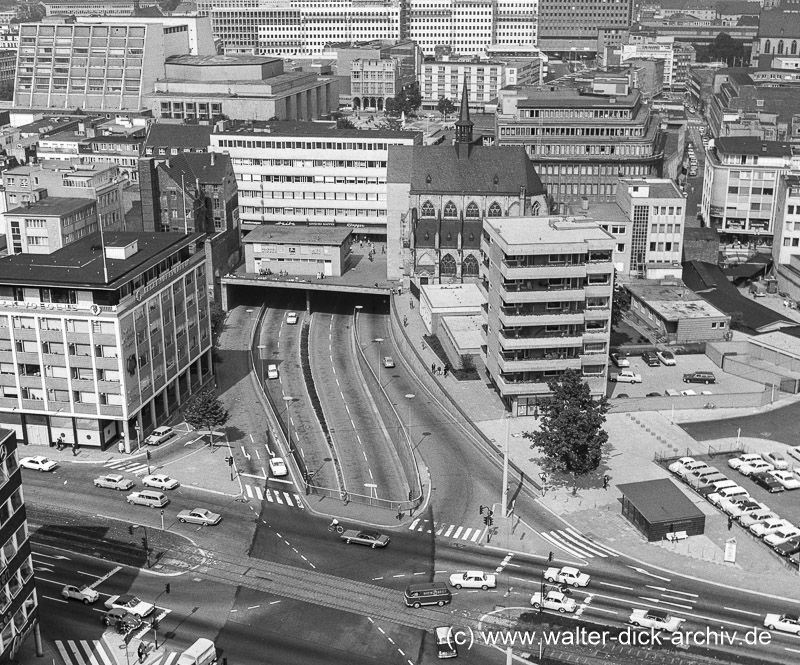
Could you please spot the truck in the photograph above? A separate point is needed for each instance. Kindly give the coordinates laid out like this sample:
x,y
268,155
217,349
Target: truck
x,y
567,575
625,376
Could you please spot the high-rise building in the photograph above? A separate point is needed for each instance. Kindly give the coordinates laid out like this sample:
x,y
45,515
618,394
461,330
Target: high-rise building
x,y
567,25
548,282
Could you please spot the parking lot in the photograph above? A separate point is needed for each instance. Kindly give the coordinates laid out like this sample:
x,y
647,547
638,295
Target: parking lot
x,y
662,378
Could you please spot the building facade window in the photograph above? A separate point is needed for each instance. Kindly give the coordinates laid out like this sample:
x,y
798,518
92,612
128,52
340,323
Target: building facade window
x,y
472,211
494,210
447,266
428,210
469,267
450,210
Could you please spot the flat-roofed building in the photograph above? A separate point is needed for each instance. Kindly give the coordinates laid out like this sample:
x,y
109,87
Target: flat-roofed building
x,y
47,225
548,282
298,251
88,8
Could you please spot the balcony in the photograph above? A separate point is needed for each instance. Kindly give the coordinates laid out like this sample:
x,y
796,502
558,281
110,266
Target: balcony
x,y
546,363
597,290
512,294
541,340
520,269
599,267
522,387
597,314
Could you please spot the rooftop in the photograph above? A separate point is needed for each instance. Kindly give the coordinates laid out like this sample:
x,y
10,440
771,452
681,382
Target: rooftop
x,y
546,230
573,98
778,23
785,339
466,330
752,145
297,235
453,296
168,135
53,206
282,128
659,188
81,263
220,60
204,167
660,500
674,302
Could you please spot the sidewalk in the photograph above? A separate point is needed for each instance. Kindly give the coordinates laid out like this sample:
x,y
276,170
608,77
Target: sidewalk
x,y
634,440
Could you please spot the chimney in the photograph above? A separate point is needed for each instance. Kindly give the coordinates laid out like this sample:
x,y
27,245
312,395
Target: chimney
x,y
213,158
168,164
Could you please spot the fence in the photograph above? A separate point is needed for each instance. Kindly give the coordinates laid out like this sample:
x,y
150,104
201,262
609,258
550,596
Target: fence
x,y
679,402
729,449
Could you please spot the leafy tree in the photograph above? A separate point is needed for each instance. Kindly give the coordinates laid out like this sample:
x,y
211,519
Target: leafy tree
x,y
467,362
390,123
407,101
345,123
205,411
570,434
620,303
445,107
6,90
724,48
217,317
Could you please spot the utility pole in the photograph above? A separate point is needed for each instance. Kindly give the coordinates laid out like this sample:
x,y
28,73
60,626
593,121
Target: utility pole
x,y
504,495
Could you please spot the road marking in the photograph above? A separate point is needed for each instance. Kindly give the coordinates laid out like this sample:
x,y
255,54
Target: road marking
x,y
666,595
458,532
616,586
645,572
736,609
60,600
568,550
790,649
661,588
600,609
249,491
414,524
466,533
113,571
254,607
666,602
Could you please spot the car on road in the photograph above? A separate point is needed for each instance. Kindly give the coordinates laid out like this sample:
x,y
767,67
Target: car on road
x,y
38,463
147,498
769,526
473,579
567,575
199,516
766,481
131,604
794,451
388,362
554,600
272,371
113,481
122,620
159,435
699,377
655,619
160,481
666,357
781,535
752,468
620,359
445,642
372,538
85,594
277,467
788,547
749,519
746,458
787,623
777,460
291,318
787,479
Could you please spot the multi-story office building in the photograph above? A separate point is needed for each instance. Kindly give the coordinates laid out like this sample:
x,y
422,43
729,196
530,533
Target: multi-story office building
x,y
49,224
8,65
677,58
102,184
740,184
548,282
786,248
102,337
17,584
89,8
100,64
310,174
565,25
581,143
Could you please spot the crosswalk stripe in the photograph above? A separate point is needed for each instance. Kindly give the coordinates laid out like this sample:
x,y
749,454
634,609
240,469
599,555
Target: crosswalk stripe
x,y
277,497
449,530
259,493
298,500
458,532
249,491
62,650
89,650
288,498
466,533
268,495
579,543
102,653
476,536
413,524
75,651
553,541
591,542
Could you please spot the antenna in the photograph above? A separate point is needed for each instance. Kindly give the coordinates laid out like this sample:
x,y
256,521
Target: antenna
x,y
103,249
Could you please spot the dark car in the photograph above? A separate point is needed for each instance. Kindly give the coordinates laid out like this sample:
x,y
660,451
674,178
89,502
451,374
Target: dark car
x,y
122,620
654,394
651,359
788,547
766,481
699,377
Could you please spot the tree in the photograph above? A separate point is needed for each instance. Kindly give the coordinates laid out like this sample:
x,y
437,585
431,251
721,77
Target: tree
x,y
390,123
407,100
724,48
620,303
445,107
570,433
345,123
206,412
467,362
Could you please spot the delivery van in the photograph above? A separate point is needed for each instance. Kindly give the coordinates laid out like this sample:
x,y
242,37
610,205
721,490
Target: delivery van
x,y
202,652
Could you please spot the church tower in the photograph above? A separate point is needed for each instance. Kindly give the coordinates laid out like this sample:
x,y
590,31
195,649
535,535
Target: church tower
x,y
464,125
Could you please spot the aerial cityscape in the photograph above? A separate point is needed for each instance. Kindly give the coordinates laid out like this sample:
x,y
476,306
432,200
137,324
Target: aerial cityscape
x,y
376,332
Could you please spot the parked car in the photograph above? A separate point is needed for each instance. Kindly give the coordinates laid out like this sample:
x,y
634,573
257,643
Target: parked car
x,y
277,467
625,376
554,600
769,526
473,579
159,435
655,619
787,479
272,371
130,604
734,507
147,498
666,357
699,377
114,481
794,451
787,623
38,463
749,519
755,467
650,359
291,318
788,547
680,464
372,538
745,507
160,481
693,469
746,458
620,359
199,516
388,362
777,460
781,535
85,594
122,620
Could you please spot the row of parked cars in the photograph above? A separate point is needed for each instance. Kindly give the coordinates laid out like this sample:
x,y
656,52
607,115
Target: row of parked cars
x,y
770,471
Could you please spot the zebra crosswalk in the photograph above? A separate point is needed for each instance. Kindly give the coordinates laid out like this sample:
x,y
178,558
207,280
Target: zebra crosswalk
x,y
576,544
455,531
95,652
129,466
291,499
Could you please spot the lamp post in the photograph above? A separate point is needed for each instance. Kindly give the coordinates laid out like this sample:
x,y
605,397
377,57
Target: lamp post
x,y
409,397
136,429
504,494
261,348
288,399
131,528
379,340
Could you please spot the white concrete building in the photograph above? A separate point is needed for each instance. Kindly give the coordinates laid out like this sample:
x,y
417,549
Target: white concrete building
x,y
310,174
676,56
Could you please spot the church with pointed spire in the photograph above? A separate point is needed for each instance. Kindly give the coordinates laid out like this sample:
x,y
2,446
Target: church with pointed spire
x,y
439,195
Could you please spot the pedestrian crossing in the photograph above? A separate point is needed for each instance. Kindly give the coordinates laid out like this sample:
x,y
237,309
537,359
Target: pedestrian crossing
x,y
576,544
95,652
291,499
462,533
129,466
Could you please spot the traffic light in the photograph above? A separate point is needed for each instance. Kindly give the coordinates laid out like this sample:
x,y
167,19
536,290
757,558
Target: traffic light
x,y
230,461
488,520
482,509
144,542
550,557
156,624
410,495
147,452
166,588
130,529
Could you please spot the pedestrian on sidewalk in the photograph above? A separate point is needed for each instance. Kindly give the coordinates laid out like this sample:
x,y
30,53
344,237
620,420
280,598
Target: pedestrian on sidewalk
x,y
433,368
411,303
74,448
445,370
121,447
405,322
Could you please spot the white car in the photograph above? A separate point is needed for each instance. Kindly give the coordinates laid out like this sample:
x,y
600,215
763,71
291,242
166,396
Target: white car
x,y
554,600
473,579
666,357
291,318
277,467
752,468
786,479
738,510
272,371
567,575
781,535
690,468
160,481
85,594
777,460
736,462
794,451
199,516
113,481
678,465
130,604
734,506
656,619
38,463
716,498
749,519
767,527
788,623
159,435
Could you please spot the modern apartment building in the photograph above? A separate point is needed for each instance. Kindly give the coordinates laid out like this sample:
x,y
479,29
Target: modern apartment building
x,y
566,25
49,224
18,594
309,174
102,338
100,64
548,283
740,185
582,142
786,248
677,58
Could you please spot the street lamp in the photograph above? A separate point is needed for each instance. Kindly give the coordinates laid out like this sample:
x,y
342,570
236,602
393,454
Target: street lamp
x,y
409,397
288,399
136,429
261,348
379,340
131,528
